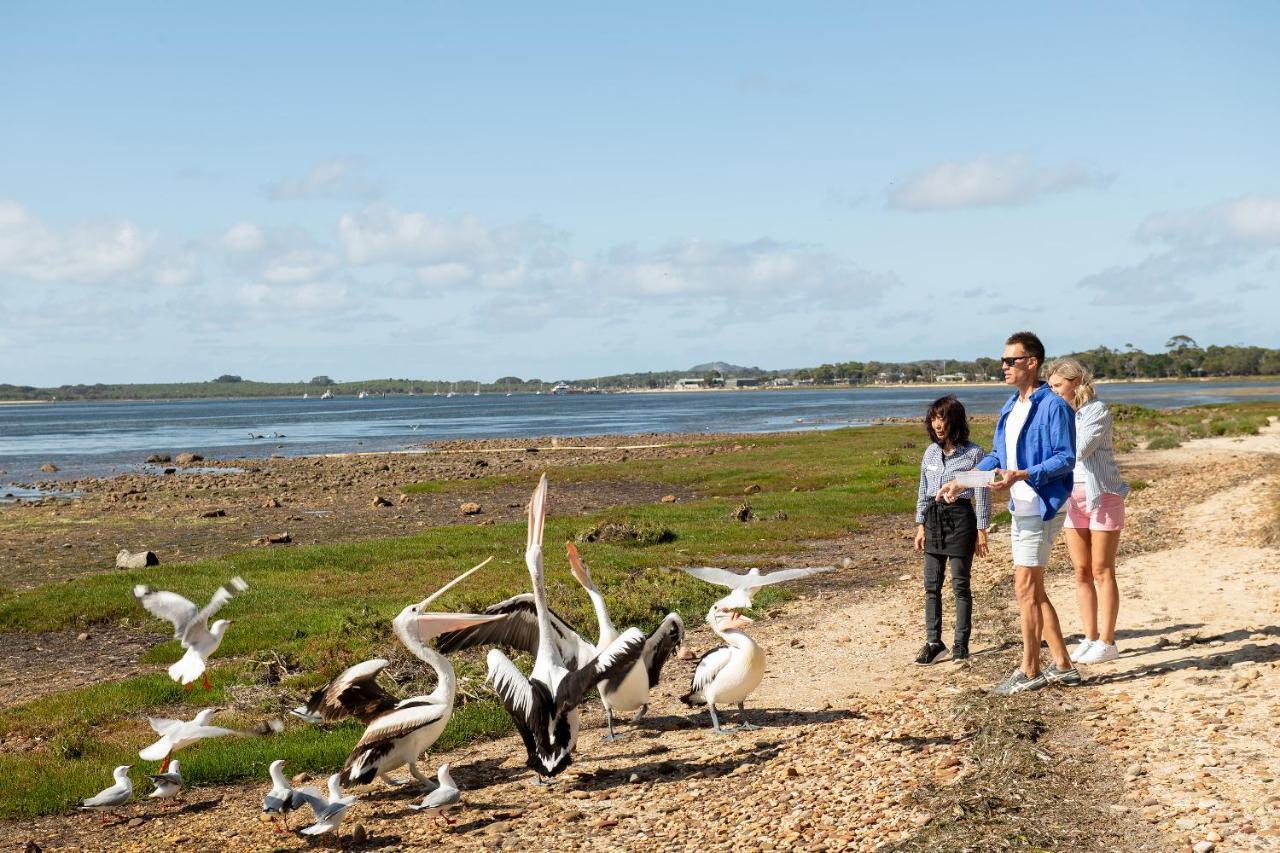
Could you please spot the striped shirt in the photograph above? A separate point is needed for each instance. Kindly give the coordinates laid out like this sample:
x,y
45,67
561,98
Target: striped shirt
x,y
936,468
1095,457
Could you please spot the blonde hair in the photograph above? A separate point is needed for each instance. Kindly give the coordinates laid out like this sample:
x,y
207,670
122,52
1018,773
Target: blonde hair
x,y
1071,370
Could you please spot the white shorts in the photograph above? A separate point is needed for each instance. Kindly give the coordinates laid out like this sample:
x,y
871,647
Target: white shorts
x,y
1033,538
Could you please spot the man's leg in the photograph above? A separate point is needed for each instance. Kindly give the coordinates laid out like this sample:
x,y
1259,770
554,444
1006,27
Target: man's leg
x,y
1026,581
1052,631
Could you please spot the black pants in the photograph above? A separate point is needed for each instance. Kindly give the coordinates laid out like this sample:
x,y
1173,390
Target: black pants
x,y
934,568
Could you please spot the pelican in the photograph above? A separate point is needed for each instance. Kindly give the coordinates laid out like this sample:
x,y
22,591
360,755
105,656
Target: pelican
x,y
744,585
631,691
397,731
329,811
109,799
544,705
167,784
727,674
176,734
283,797
191,626
445,797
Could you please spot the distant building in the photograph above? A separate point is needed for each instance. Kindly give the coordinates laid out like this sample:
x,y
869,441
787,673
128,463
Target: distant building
x,y
743,382
953,377
781,382
689,384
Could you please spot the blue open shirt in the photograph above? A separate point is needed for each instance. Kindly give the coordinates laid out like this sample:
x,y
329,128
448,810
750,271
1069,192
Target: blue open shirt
x,y
1046,448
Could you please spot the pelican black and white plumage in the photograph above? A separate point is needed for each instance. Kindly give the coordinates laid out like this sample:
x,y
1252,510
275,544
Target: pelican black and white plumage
x,y
544,705
329,811
168,784
397,731
446,796
112,798
177,734
729,674
191,626
283,798
630,691
744,585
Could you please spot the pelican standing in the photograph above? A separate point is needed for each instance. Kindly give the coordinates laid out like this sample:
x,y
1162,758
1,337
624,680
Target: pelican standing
x,y
728,674
745,585
544,705
112,798
631,691
190,626
398,731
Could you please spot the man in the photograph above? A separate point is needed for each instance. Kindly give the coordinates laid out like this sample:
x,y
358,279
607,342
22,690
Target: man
x,y
1033,455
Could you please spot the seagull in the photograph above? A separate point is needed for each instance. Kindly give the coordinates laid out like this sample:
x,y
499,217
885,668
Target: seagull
x,y
730,673
109,799
443,798
167,784
329,811
744,585
397,731
544,705
283,797
190,626
176,734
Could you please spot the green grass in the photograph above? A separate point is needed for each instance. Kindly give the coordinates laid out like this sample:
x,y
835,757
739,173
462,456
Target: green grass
x,y
1164,430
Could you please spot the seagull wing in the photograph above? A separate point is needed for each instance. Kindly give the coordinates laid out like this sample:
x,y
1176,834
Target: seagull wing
x,y
162,726
721,577
617,657
168,606
788,575
116,795
665,639
312,797
441,797
519,630
353,693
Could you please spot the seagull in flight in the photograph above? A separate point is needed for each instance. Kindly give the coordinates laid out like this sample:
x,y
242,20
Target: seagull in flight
x,y
744,585
191,626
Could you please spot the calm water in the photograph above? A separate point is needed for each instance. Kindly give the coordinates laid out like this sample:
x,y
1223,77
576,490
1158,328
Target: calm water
x,y
97,438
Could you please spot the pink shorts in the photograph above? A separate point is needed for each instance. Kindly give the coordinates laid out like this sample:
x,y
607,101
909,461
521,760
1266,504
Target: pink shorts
x,y
1108,516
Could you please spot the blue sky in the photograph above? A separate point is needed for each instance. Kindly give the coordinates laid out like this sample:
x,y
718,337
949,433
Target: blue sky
x,y
566,190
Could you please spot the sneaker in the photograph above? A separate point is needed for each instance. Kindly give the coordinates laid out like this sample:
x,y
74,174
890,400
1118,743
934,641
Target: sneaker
x,y
930,652
960,651
1082,649
1099,652
1066,677
1018,682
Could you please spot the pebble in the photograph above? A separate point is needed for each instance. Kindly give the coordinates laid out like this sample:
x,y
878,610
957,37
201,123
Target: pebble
x,y
1202,847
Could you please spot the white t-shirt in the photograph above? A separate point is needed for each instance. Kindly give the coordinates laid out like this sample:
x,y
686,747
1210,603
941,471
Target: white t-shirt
x,y
1024,498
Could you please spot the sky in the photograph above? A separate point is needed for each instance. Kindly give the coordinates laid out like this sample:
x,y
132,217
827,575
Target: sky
x,y
563,190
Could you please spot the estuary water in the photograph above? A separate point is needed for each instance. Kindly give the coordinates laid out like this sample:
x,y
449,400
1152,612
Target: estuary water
x,y
85,439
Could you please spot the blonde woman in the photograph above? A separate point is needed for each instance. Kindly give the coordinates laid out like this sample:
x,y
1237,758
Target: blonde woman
x,y
1095,512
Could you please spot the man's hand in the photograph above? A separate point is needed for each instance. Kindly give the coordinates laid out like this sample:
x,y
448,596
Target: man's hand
x,y
919,537
981,549
1006,478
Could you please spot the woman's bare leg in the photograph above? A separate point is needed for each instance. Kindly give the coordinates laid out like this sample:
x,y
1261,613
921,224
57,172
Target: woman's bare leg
x,y
1080,549
1104,545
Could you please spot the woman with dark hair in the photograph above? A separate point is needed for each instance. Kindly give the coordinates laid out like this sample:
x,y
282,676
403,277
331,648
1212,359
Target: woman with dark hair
x,y
949,532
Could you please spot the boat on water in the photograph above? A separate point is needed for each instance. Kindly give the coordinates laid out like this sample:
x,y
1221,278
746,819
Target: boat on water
x,y
562,388
362,395
327,395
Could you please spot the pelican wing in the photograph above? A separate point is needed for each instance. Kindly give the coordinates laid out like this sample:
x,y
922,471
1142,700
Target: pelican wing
x,y
611,663
511,685
168,606
664,640
408,716
519,630
353,693
708,666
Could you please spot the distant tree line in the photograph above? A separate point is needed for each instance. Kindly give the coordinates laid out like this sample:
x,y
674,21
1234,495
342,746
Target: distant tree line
x,y
1182,358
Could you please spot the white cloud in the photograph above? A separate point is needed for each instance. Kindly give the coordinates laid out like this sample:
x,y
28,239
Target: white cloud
x,y
243,237
309,297
1251,221
332,179
84,253
988,182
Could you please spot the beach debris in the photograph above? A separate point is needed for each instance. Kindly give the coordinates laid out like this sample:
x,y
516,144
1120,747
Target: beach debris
x,y
48,468
157,458
779,516
270,503
214,513
668,499
470,508
127,559
626,533
743,513
188,458
751,489
274,539
404,498
379,500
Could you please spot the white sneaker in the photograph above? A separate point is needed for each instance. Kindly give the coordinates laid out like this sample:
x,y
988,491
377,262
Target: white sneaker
x,y
1078,653
1100,652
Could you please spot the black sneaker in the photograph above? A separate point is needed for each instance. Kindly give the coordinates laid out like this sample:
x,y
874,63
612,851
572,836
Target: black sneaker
x,y
930,652
960,651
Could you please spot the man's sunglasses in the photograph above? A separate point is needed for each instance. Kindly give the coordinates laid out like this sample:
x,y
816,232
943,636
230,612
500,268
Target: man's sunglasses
x,y
1010,361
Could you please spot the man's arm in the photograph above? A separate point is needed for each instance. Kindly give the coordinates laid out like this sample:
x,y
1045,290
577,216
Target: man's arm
x,y
1061,461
